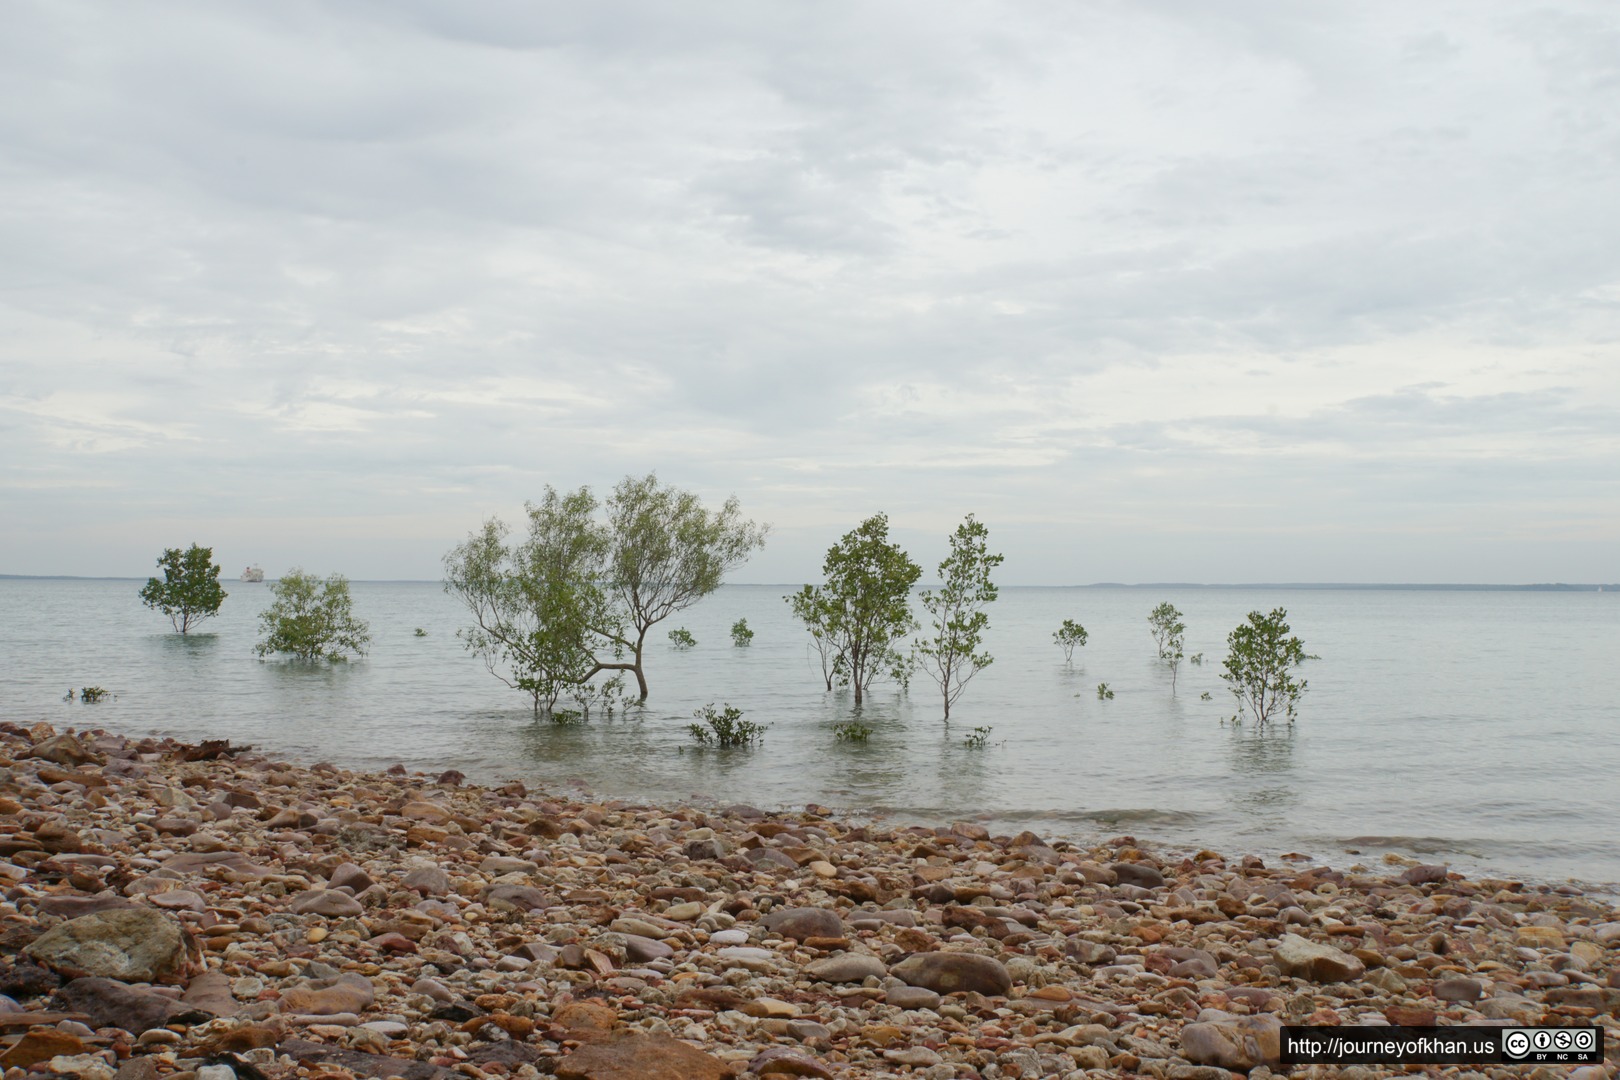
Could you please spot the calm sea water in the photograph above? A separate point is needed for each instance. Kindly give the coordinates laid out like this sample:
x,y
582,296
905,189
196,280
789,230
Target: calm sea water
x,y
1477,728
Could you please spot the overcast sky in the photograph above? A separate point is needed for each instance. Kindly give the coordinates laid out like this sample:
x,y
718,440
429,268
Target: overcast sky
x,y
1161,291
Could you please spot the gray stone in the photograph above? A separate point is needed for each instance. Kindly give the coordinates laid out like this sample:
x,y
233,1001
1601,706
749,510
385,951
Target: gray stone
x,y
780,1060
328,902
846,968
642,949
427,880
516,898
1138,874
1238,1042
1305,959
1459,989
130,944
911,997
949,972
805,922
1424,874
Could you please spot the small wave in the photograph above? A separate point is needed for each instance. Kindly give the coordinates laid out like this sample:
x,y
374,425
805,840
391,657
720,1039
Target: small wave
x,y
1140,817
1423,845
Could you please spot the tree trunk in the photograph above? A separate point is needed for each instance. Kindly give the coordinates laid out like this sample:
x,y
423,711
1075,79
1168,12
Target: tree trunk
x,y
641,679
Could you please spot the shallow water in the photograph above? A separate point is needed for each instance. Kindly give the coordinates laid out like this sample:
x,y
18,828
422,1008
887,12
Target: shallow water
x,y
1476,728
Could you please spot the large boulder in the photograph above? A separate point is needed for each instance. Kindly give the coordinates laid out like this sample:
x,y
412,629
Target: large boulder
x,y
130,944
949,972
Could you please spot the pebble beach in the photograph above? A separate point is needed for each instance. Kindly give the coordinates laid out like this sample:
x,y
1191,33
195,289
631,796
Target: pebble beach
x,y
206,912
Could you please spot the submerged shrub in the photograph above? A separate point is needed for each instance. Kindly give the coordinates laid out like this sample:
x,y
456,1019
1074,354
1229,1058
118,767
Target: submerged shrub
x,y
977,739
725,727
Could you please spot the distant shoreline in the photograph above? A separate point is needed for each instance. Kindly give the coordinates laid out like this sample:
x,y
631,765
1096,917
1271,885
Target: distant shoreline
x,y
1313,586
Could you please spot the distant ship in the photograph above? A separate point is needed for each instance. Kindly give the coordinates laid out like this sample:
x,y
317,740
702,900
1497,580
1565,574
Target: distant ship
x,y
253,573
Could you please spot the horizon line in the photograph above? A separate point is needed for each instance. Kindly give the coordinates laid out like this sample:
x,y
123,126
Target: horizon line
x,y
1544,586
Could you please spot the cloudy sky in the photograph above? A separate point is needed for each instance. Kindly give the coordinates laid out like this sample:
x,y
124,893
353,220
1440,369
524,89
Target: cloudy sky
x,y
1160,290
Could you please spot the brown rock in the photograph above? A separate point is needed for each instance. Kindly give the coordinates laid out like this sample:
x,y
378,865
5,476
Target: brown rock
x,y
783,1061
71,907
133,944
349,876
393,942
516,898
41,1045
1138,874
848,968
1305,959
65,750
240,1040
138,1068
362,1064
110,1003
211,992
191,862
348,993
946,973
432,813
57,837
1409,1016
805,922
328,902
1459,990
427,880
641,1057
587,1015
1240,1043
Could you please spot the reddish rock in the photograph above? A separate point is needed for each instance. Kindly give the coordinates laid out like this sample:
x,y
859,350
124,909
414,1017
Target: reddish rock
x,y
782,1061
110,1003
41,1045
1409,1016
393,942
211,992
641,1057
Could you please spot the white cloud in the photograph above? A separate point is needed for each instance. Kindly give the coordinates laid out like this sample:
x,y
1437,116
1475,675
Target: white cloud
x,y
1143,272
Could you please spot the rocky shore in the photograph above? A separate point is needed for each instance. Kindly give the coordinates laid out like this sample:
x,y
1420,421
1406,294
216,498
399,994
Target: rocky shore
x,y
208,913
